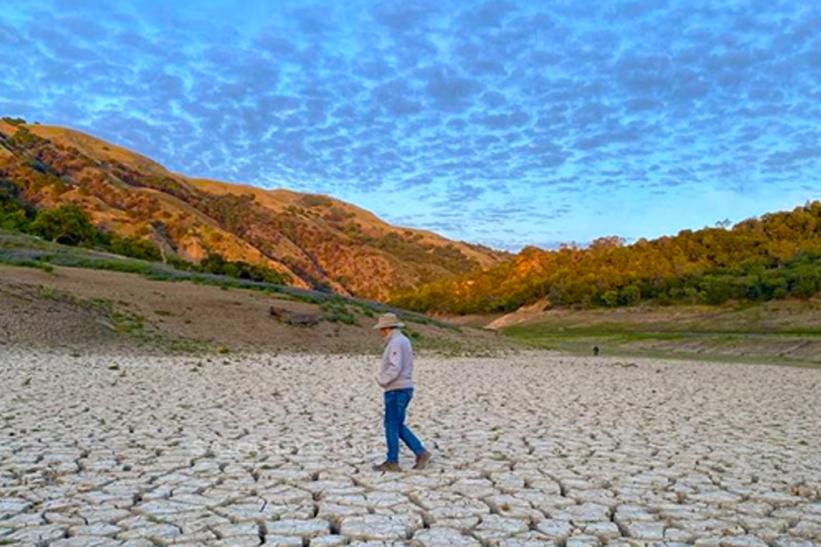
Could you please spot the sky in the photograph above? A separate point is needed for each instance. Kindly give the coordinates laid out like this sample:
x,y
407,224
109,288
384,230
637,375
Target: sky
x,y
498,122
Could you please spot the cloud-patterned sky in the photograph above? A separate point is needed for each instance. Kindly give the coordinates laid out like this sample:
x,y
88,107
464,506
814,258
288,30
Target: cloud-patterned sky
x,y
501,122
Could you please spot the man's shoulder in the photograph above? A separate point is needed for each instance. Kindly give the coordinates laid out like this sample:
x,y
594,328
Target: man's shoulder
x,y
400,339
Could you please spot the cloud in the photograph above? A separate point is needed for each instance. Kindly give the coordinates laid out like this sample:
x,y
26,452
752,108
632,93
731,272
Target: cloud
x,y
501,121
509,109
397,98
488,14
449,90
403,16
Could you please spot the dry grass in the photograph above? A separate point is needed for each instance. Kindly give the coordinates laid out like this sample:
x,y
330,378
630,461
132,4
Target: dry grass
x,y
787,331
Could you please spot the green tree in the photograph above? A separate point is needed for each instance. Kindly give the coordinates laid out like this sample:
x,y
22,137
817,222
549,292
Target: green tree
x,y
610,298
14,215
805,281
14,121
16,221
630,295
67,224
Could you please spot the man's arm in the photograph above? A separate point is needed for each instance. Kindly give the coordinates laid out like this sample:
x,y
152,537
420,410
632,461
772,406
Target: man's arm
x,y
390,370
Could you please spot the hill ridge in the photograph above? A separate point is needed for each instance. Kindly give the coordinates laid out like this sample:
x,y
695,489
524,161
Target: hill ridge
x,y
320,241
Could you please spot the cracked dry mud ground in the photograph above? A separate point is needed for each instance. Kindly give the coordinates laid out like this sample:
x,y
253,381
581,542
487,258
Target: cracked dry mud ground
x,y
534,449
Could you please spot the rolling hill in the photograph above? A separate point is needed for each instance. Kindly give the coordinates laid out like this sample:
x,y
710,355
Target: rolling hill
x,y
317,241
772,257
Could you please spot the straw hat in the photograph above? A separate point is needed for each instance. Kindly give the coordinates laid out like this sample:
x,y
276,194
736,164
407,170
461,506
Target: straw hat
x,y
388,321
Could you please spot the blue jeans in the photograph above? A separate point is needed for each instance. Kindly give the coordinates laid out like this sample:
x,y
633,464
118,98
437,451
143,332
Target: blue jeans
x,y
396,403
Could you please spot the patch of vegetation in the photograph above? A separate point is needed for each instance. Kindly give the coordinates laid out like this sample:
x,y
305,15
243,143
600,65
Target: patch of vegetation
x,y
132,247
23,138
48,293
15,214
216,264
722,339
26,263
122,322
14,121
336,310
67,224
184,345
316,200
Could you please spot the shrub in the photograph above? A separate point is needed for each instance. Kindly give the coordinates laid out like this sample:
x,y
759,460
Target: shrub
x,y
216,264
15,215
14,121
134,247
610,298
630,295
14,221
23,138
335,310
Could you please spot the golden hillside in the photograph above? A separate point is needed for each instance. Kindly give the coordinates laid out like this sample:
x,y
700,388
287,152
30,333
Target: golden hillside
x,y
320,241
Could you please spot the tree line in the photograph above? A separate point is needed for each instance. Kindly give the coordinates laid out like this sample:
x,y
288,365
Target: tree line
x,y
775,256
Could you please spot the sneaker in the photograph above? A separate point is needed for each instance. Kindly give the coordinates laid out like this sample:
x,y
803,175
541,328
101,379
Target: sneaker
x,y
387,467
422,460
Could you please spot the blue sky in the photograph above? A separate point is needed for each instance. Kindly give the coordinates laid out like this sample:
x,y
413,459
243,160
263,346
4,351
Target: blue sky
x,y
505,123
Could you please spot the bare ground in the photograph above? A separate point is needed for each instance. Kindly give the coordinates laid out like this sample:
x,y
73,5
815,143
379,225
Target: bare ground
x,y
75,307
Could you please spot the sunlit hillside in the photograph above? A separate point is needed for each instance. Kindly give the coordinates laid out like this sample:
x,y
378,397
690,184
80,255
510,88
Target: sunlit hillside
x,y
772,257
315,241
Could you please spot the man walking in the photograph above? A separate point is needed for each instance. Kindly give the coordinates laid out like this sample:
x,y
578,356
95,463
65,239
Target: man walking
x,y
395,377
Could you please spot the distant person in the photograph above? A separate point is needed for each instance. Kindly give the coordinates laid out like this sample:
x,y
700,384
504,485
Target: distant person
x,y
395,377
